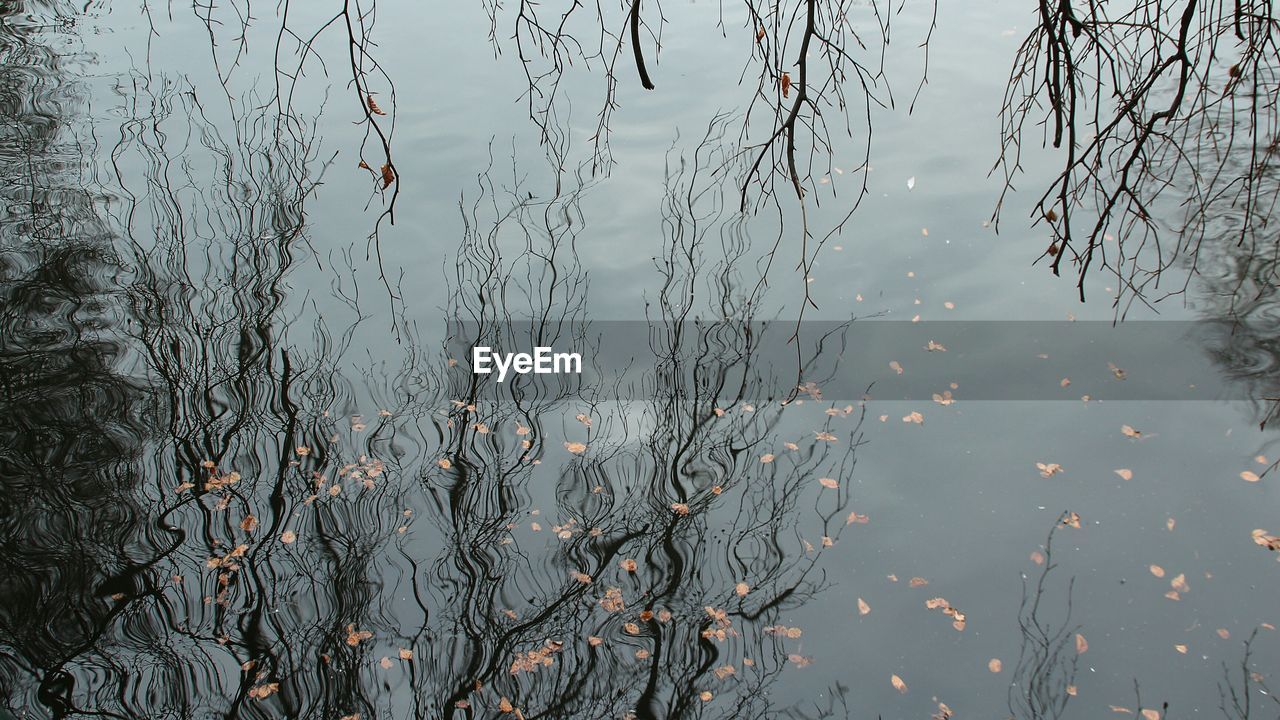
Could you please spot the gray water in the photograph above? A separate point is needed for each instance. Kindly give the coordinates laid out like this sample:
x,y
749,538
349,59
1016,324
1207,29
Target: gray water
x,y
246,472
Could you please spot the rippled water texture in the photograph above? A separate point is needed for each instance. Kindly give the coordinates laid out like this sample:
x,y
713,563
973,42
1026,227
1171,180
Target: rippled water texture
x,y
245,470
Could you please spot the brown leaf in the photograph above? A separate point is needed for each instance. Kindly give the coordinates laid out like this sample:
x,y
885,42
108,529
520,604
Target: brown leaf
x,y
1048,469
1179,583
388,176
1157,571
373,106
1082,645
249,523
786,84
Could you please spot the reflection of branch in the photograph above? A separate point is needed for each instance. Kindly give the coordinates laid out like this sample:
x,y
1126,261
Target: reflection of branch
x,y
1236,700
635,45
1046,662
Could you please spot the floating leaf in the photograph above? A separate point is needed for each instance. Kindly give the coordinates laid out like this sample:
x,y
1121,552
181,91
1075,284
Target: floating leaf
x,y
741,589
1048,469
1179,583
1130,432
1249,476
1264,539
576,448
829,483
911,183
1125,473
994,665
288,536
898,684
355,637
1157,571
1082,645
863,607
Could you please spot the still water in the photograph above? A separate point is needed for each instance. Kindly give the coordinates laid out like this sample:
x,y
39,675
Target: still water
x,y
246,471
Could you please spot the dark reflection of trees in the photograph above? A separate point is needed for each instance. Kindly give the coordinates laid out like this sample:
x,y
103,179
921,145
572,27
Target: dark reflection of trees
x,y
212,525
1151,106
76,412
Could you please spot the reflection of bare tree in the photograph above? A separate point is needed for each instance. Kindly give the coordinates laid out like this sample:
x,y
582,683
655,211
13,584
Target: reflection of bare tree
x,y
671,551
1047,661
1150,104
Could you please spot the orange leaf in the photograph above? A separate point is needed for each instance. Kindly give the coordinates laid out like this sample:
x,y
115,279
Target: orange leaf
x,y
786,84
373,107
